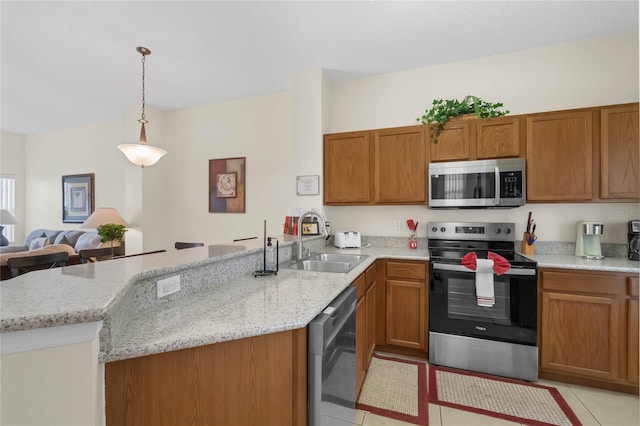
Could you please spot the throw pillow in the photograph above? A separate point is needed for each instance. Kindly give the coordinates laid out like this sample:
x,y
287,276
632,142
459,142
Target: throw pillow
x,y
64,240
38,243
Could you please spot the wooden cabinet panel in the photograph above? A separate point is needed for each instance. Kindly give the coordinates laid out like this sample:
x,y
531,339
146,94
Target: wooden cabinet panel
x,y
347,171
498,138
400,165
254,381
370,300
454,142
580,335
360,285
361,350
559,156
406,314
632,330
599,283
619,152
414,271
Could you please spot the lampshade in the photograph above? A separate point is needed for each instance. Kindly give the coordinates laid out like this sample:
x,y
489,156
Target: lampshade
x,y
142,154
103,216
6,218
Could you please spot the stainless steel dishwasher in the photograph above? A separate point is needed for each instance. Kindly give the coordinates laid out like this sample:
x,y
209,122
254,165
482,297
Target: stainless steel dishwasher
x,y
331,370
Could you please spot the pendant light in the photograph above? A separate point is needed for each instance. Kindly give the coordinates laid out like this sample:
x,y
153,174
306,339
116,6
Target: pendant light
x,y
142,154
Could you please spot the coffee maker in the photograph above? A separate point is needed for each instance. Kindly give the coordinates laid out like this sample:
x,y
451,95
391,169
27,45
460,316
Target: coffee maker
x,y
588,240
633,237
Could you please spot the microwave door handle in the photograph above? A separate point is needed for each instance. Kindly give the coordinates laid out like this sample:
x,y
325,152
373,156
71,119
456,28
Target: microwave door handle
x,y
496,200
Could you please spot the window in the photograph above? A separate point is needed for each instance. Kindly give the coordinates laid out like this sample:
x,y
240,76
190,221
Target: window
x,y
8,201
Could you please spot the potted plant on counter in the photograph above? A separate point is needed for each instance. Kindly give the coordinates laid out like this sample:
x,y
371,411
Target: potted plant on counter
x,y
442,111
110,232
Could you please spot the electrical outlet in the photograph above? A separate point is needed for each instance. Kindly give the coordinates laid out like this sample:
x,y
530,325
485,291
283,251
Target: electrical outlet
x,y
397,224
168,286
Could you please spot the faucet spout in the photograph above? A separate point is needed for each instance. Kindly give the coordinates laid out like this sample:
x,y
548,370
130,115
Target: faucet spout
x,y
302,216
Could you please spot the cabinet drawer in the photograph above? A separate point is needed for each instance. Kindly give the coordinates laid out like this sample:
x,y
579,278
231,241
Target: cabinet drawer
x,y
360,285
415,271
632,286
583,282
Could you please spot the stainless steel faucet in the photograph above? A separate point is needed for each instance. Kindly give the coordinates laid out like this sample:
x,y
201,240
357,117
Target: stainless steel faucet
x,y
302,216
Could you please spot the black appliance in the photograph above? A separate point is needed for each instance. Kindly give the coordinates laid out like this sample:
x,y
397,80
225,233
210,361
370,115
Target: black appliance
x,y
501,339
477,184
633,238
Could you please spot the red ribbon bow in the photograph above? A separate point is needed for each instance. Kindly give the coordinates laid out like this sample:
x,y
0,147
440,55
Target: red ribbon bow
x,y
500,264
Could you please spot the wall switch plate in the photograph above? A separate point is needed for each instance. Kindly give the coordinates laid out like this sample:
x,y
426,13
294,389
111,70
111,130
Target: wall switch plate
x,y
168,286
397,224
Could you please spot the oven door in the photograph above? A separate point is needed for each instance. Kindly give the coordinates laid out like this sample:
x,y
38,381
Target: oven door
x,y
453,308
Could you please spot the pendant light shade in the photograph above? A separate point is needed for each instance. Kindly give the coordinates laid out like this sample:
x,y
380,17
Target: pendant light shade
x,y
142,154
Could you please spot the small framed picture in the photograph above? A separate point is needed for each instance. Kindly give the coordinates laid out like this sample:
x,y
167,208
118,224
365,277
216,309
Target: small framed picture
x,y
310,228
226,185
308,185
77,197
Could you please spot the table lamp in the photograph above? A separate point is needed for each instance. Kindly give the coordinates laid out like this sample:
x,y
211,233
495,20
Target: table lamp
x,y
6,218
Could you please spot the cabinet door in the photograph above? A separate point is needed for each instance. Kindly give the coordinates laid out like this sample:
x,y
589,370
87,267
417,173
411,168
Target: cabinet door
x,y
347,159
632,330
453,143
406,314
400,165
370,300
559,156
619,153
361,324
498,137
580,335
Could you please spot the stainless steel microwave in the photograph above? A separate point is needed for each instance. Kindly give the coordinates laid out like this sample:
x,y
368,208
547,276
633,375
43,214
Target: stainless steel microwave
x,y
477,184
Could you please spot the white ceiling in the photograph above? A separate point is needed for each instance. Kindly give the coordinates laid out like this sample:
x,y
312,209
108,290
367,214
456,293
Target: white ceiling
x,y
71,63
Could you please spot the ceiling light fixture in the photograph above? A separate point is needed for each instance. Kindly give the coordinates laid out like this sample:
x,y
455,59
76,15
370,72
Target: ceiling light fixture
x,y
142,154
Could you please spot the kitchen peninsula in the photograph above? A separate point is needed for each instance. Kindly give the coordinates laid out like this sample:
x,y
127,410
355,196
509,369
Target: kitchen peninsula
x,y
221,312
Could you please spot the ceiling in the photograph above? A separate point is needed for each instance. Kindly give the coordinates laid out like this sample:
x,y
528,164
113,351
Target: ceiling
x,y
72,63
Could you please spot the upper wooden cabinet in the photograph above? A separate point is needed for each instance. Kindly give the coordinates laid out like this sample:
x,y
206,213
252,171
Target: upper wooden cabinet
x,y
498,138
400,165
559,156
619,153
453,143
347,171
479,139
385,166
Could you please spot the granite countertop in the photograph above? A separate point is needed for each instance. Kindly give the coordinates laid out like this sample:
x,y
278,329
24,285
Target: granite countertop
x,y
232,309
610,264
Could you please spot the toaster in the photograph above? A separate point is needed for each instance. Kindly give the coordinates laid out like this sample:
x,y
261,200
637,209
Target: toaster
x,y
347,239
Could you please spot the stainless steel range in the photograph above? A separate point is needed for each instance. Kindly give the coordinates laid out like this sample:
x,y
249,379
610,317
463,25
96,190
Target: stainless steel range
x,y
482,310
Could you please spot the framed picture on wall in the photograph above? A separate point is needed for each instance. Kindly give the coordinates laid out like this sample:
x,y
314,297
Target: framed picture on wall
x,y
227,185
77,197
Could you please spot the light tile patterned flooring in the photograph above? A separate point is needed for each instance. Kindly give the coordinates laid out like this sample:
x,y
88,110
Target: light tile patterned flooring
x,y
593,407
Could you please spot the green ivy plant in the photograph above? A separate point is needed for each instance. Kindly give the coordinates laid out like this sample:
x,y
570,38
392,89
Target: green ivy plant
x,y
110,232
442,110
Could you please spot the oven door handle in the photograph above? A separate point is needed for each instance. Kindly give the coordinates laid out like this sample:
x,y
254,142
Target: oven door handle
x,y
460,268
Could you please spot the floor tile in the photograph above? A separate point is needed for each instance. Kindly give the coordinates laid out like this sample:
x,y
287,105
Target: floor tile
x,y
579,409
375,420
609,408
453,417
434,415
332,421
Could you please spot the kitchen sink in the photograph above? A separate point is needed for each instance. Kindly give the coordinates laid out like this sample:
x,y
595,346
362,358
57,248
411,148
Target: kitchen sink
x,y
327,262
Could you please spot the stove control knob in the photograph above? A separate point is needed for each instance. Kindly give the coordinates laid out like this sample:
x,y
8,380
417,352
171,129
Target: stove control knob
x,y
498,230
507,231
434,229
443,229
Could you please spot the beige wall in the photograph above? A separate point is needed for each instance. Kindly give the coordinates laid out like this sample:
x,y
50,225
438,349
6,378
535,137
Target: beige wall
x,y
63,385
280,135
588,73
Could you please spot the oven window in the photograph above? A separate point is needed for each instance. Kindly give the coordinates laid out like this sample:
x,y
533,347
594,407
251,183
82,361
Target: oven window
x,y
463,186
462,303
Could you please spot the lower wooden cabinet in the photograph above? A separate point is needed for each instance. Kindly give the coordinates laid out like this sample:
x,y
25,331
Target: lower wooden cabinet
x,y
632,330
585,329
254,381
406,304
365,322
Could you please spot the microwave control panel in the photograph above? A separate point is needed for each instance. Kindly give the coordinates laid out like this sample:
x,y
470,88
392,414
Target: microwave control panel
x,y
511,184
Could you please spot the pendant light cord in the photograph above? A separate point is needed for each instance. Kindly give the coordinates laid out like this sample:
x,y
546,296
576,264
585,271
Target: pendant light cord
x,y
144,57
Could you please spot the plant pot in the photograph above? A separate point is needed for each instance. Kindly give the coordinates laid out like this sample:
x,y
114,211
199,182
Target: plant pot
x,y
470,116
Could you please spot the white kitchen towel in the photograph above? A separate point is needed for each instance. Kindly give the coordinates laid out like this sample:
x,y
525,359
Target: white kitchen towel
x,y
484,283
